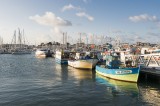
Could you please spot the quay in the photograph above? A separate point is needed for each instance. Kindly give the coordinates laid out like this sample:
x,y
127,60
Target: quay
x,y
150,74
150,63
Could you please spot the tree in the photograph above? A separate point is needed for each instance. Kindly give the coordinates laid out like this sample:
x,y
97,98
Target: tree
x,y
49,43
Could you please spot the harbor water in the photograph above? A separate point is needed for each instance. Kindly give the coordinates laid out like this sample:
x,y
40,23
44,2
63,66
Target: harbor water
x,y
29,81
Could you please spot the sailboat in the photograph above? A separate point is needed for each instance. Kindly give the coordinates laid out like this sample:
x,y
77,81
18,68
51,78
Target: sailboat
x,y
19,46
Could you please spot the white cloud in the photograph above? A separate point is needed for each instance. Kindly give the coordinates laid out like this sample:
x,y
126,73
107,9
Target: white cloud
x,y
144,17
83,14
50,19
70,7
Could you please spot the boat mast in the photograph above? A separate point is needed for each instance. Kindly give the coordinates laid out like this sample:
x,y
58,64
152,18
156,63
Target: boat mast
x,y
23,37
14,38
20,38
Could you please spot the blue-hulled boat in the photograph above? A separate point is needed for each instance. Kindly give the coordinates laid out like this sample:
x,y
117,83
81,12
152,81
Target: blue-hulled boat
x,y
114,69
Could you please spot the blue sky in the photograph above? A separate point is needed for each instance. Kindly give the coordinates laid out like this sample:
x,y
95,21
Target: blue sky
x,y
46,20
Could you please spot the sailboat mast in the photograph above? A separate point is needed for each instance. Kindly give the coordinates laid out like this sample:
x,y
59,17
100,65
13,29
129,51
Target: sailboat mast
x,y
23,37
20,38
14,39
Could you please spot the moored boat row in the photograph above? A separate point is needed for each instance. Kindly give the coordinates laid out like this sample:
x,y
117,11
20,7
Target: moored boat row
x,y
114,68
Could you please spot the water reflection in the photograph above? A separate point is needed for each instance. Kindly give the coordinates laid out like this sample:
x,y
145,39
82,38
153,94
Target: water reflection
x,y
150,93
81,74
118,86
62,72
119,90
150,96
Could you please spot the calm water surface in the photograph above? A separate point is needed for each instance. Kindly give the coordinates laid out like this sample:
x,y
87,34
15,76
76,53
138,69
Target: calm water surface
x,y
28,81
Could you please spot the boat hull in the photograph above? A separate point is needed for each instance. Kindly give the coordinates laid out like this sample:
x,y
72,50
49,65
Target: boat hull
x,y
43,53
83,64
124,74
61,61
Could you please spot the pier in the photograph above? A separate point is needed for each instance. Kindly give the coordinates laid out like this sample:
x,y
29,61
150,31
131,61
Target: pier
x,y
150,74
150,65
146,60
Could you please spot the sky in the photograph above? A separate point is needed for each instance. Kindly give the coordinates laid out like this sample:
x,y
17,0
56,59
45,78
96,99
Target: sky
x,y
129,21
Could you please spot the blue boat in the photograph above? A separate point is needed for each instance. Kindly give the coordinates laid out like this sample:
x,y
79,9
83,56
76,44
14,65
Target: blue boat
x,y
114,70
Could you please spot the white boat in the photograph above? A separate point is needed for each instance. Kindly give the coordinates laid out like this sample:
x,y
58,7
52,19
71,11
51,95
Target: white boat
x,y
83,61
43,53
62,56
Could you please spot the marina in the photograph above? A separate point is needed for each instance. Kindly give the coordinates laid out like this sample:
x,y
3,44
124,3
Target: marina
x,y
41,81
79,74
79,53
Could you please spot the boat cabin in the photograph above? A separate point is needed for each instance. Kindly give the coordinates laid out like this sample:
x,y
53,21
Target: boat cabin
x,y
62,54
113,61
93,55
80,55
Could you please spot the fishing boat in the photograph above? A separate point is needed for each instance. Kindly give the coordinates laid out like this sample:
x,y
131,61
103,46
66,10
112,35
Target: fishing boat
x,y
114,69
83,61
62,56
